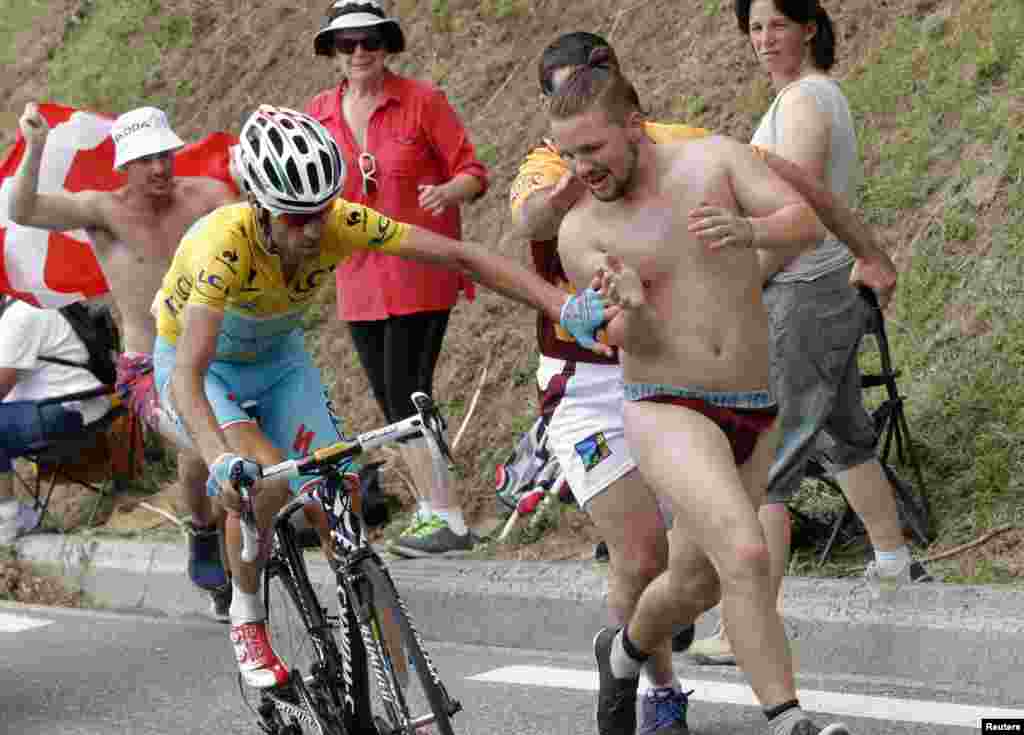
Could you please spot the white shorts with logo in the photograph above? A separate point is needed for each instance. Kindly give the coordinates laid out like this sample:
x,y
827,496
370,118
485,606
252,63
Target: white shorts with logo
x,y
585,432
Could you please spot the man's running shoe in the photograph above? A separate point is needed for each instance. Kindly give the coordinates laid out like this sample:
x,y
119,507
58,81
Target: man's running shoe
x,y
663,712
616,698
683,639
16,519
205,568
912,573
259,665
432,537
220,604
715,650
804,726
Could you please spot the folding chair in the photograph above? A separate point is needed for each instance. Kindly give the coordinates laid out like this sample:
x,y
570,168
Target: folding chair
x,y
56,456
891,425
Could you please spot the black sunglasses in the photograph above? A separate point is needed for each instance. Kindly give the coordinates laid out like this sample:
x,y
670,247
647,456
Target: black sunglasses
x,y
348,46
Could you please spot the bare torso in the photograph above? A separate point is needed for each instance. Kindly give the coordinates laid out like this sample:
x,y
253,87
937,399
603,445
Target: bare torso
x,y
137,247
704,325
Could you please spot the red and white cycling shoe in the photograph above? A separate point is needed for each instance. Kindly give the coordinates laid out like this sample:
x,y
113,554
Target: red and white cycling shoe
x,y
259,665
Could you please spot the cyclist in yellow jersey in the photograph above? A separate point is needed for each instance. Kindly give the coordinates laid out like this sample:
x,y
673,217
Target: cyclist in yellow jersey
x,y
230,332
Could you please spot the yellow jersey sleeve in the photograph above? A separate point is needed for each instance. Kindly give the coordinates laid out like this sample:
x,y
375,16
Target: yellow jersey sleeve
x,y
542,168
351,227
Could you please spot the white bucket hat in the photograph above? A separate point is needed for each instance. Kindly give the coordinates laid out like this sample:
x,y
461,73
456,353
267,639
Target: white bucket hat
x,y
348,14
142,132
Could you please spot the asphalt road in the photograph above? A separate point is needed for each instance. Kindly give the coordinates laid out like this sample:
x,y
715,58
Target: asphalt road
x,y
91,673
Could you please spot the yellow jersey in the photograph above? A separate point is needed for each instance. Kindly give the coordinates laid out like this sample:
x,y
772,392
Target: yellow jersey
x,y
219,264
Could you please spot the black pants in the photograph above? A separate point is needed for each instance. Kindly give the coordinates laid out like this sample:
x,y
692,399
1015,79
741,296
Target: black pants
x,y
399,355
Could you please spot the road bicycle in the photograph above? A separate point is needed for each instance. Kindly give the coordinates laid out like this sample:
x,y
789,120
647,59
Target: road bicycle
x,y
330,656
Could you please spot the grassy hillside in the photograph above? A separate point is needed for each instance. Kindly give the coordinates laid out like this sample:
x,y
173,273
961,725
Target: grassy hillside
x,y
937,87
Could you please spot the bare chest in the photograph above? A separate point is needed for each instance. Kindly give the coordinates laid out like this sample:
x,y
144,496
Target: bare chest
x,y
137,241
357,112
653,239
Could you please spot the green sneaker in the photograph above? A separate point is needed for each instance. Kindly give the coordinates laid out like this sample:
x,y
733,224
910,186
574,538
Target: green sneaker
x,y
432,537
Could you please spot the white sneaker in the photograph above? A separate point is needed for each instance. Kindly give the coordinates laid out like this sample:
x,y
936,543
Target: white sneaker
x,y
8,522
16,519
913,572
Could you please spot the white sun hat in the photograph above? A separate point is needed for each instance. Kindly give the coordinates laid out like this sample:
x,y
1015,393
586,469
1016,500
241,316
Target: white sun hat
x,y
142,132
348,14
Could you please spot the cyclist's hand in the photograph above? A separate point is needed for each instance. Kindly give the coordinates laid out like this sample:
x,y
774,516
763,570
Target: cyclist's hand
x,y
220,480
582,314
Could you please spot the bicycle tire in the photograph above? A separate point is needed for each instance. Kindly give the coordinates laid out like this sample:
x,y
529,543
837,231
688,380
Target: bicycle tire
x,y
290,623
384,597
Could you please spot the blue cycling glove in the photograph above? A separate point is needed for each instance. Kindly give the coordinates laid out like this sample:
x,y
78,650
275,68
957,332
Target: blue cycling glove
x,y
220,472
582,315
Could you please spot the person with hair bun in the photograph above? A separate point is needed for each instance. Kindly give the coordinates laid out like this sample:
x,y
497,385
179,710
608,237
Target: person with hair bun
x,y
671,234
816,381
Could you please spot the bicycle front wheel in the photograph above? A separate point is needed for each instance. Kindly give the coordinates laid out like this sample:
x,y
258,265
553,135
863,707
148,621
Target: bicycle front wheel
x,y
304,641
408,690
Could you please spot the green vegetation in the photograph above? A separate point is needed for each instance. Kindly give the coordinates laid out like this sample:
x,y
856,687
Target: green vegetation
x,y
133,33
15,16
934,111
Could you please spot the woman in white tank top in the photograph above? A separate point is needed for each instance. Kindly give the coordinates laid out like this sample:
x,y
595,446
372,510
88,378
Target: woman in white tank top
x,y
817,318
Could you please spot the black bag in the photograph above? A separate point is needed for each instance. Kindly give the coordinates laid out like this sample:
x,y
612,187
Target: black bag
x,y
95,326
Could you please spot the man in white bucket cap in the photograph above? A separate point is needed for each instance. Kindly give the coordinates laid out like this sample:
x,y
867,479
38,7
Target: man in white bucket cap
x,y
135,231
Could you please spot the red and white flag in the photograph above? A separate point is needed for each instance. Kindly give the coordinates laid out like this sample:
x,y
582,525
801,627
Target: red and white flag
x,y
52,269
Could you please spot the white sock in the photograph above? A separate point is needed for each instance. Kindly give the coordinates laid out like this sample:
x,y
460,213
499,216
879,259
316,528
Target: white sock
x,y
245,607
891,563
453,516
623,665
424,510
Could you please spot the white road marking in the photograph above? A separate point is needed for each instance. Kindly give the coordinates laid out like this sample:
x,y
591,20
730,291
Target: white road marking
x,y
852,705
18,623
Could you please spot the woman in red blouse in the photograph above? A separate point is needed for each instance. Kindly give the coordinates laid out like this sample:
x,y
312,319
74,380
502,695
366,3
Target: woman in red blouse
x,y
409,157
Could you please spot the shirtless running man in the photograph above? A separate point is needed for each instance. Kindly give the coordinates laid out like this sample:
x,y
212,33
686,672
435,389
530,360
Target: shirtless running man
x,y
694,338
136,230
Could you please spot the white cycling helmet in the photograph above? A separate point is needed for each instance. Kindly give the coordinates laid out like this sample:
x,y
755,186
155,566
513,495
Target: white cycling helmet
x,y
289,162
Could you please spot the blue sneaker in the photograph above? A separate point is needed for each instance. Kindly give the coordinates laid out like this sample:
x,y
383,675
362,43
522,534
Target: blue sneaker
x,y
205,568
663,712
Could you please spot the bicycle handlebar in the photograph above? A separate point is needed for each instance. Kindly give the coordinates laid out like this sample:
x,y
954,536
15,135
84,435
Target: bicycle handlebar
x,y
427,423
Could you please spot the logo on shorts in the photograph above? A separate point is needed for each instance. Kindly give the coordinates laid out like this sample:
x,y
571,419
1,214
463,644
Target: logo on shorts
x,y
593,450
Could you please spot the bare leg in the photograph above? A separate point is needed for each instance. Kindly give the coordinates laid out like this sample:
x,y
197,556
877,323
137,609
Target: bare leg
x,y
778,530
192,474
715,503
627,516
247,440
417,457
874,499
6,486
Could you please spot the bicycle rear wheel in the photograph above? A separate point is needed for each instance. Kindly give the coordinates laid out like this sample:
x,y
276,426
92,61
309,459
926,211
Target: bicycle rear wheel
x,y
405,700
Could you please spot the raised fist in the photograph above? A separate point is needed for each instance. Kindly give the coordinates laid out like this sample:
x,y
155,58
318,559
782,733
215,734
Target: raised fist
x,y
34,126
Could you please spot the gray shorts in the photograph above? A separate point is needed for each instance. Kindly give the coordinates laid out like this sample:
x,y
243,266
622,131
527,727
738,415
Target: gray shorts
x,y
816,329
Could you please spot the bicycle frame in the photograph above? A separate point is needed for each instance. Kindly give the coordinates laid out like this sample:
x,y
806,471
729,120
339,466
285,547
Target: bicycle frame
x,y
348,696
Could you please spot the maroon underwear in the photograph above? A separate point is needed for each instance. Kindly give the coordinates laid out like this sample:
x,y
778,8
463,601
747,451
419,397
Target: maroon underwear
x,y
742,426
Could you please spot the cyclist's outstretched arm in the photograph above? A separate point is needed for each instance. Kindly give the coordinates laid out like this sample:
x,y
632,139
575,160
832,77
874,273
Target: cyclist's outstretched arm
x,y
195,349
504,275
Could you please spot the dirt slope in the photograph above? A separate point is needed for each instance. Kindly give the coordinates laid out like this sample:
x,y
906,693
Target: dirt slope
x,y
685,56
